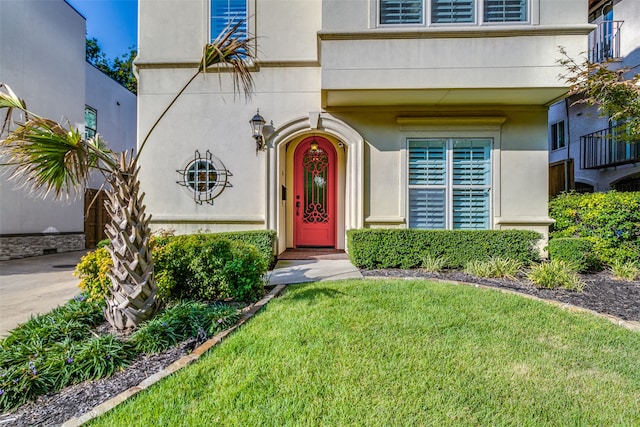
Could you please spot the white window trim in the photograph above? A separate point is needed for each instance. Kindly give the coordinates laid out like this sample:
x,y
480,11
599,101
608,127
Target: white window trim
x,y
453,128
251,24
533,9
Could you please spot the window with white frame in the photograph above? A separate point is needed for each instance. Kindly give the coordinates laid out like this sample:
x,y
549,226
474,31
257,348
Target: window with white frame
x,y
90,122
226,13
401,12
450,183
505,11
557,135
452,11
412,12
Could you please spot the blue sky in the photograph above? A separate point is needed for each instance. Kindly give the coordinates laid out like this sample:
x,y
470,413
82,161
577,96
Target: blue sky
x,y
113,22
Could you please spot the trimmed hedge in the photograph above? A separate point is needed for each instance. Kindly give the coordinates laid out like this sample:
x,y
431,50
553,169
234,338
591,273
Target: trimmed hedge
x,y
263,240
611,220
577,252
405,248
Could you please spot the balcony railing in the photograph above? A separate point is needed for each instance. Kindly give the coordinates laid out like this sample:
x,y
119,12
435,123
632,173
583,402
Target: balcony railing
x,y
602,149
604,41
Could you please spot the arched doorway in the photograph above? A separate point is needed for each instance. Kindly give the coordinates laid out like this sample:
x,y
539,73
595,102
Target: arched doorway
x,y
315,192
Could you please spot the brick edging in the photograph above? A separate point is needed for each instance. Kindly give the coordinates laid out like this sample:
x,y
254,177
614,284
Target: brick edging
x,y
248,313
628,324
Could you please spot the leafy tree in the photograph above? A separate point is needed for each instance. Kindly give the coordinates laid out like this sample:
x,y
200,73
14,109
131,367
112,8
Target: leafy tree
x,y
54,157
120,69
617,96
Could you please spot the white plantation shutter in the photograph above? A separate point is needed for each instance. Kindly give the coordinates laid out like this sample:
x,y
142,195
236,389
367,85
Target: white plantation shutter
x,y
225,13
452,11
427,208
401,11
471,180
505,10
449,179
427,184
470,209
427,162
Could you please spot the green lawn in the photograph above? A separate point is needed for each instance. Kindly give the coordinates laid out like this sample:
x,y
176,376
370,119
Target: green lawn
x,y
407,353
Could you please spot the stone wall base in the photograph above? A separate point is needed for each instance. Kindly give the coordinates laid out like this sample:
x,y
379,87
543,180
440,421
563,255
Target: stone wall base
x,y
27,245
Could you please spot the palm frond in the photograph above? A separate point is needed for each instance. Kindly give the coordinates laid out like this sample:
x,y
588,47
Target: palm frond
x,y
235,49
47,157
10,101
232,48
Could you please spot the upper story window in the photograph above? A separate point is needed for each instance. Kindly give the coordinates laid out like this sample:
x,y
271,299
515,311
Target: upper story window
x,y
452,11
505,11
401,11
90,122
225,13
557,135
436,12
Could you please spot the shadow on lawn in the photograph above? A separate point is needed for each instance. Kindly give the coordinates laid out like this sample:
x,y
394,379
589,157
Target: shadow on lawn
x,y
311,294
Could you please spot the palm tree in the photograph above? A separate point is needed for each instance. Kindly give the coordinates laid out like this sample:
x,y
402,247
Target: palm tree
x,y
51,157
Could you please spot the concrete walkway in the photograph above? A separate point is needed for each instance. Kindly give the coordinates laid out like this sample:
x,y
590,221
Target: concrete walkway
x,y
289,272
35,285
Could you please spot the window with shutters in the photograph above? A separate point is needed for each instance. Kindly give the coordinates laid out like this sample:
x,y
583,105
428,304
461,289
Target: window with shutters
x,y
400,12
449,183
505,10
452,11
439,12
226,13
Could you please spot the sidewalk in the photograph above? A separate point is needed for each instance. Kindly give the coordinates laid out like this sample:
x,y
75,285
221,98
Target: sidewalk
x,y
34,285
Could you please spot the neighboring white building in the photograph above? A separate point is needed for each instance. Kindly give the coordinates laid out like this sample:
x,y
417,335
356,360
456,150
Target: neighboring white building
x,y
584,156
381,113
42,58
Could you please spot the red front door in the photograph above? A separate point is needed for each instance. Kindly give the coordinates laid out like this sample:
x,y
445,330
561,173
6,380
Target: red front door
x,y
314,207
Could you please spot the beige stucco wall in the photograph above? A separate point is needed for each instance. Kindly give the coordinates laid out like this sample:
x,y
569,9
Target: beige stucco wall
x,y
386,90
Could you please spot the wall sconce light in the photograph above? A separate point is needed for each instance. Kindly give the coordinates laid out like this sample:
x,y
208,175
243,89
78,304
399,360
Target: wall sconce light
x,y
314,144
257,123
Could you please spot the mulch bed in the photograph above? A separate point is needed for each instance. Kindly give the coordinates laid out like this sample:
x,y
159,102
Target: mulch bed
x,y
602,294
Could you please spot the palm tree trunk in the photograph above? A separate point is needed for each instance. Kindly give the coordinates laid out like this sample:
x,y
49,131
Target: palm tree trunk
x,y
133,290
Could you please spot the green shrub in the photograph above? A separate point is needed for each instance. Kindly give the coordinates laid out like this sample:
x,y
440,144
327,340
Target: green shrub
x,y
93,270
555,274
611,220
577,251
208,267
622,270
406,248
263,240
494,267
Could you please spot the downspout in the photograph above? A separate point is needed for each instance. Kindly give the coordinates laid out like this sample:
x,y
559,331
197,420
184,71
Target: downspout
x,y
566,162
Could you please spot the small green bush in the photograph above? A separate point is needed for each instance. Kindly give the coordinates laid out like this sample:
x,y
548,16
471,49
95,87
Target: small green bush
x,y
208,267
406,248
495,267
93,270
577,251
622,270
434,264
555,274
611,220
181,321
